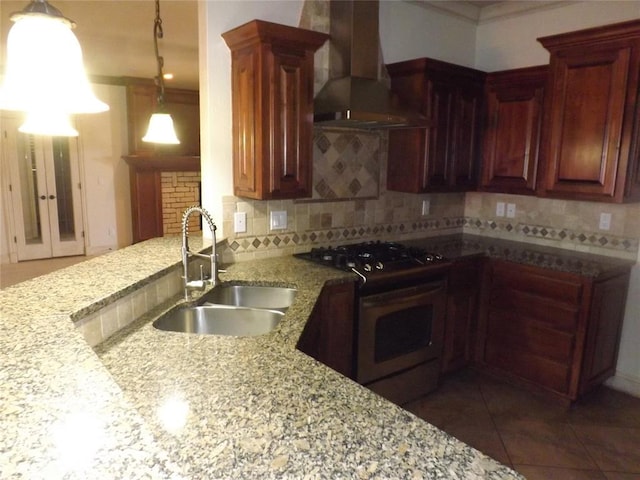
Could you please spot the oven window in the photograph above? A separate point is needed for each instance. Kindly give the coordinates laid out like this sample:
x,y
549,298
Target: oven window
x,y
402,332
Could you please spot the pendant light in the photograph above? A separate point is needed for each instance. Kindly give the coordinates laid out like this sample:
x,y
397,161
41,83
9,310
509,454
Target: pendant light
x,y
161,124
45,75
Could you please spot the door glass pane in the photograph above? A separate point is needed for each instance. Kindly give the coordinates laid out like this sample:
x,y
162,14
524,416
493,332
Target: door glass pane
x,y
64,193
402,332
27,170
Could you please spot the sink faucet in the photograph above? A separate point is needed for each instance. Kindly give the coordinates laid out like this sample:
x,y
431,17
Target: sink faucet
x,y
186,253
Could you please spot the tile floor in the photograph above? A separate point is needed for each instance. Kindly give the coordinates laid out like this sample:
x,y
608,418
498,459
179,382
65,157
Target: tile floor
x,y
12,273
598,438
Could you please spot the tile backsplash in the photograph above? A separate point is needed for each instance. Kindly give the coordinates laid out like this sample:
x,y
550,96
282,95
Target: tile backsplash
x,y
342,217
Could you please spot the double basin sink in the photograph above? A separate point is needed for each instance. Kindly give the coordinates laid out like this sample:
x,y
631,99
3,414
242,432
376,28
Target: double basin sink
x,y
237,310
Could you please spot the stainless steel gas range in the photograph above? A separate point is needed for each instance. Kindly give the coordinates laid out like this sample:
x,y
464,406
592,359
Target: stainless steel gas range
x,y
399,317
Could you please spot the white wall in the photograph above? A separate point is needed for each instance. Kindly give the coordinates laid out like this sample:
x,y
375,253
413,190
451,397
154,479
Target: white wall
x,y
511,42
412,31
103,142
215,18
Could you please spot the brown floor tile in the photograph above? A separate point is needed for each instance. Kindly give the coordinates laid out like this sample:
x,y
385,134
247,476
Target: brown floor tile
x,y
614,449
540,443
607,407
508,401
486,440
553,473
621,476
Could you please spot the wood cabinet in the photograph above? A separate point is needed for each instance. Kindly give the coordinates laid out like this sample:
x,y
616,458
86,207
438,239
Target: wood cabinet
x,y
462,307
554,331
272,103
513,122
444,156
329,333
184,107
591,137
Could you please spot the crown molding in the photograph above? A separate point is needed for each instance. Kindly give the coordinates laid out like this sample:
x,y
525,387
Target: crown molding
x,y
473,12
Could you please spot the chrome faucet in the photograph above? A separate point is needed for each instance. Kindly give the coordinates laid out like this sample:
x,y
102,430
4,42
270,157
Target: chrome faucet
x,y
186,253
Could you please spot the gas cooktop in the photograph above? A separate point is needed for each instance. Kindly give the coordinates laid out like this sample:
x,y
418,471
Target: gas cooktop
x,y
370,258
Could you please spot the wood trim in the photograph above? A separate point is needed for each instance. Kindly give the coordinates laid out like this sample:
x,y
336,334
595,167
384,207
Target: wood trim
x,y
163,163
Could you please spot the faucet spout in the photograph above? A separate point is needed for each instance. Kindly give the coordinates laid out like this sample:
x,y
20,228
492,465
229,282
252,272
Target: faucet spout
x,y
186,253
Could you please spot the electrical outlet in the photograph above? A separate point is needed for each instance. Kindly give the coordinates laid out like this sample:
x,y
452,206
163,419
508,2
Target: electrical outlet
x,y
500,209
425,207
240,222
278,220
511,210
605,221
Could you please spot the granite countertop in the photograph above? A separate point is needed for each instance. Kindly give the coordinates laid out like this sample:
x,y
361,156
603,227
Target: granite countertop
x,y
157,404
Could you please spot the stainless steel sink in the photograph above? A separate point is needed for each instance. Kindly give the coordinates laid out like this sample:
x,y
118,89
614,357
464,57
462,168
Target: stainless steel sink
x,y
254,296
219,320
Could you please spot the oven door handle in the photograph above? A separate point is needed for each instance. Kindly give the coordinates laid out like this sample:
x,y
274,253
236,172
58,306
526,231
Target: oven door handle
x,y
404,295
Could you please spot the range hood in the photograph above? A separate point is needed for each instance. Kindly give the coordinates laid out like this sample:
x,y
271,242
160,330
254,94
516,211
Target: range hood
x,y
354,96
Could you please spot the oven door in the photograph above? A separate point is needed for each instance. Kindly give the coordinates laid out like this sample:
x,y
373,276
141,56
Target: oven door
x,y
400,329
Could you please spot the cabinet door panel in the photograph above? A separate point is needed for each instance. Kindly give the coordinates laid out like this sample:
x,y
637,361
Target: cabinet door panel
x,y
512,136
466,136
586,124
439,144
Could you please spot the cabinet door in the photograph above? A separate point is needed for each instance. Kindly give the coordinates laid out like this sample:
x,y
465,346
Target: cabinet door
x,y
585,121
514,102
439,148
462,307
291,101
529,326
328,334
465,138
407,169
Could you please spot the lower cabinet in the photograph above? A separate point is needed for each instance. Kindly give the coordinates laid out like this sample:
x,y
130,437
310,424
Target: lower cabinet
x,y
329,334
462,306
551,330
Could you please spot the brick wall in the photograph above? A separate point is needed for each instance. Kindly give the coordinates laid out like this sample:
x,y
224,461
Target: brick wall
x,y
179,191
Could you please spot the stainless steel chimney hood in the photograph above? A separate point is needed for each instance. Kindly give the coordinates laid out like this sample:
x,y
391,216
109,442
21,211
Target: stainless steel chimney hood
x,y
354,96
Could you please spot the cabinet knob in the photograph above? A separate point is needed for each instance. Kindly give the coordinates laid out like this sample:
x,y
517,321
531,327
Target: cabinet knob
x,y
43,197
51,197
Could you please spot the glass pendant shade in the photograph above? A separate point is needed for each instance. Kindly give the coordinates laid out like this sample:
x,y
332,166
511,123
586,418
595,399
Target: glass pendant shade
x,y
161,130
48,123
44,69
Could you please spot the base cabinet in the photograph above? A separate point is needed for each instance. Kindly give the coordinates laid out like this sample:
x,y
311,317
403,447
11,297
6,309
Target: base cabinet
x,y
554,331
329,334
462,307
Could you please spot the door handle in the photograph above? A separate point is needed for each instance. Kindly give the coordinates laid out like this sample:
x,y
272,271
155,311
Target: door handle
x,y
51,197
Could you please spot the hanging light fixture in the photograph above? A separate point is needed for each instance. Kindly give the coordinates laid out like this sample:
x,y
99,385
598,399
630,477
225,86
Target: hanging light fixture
x,y
161,124
45,75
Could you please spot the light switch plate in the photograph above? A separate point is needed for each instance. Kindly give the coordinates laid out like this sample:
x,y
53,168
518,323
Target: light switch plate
x,y
605,221
500,209
278,220
511,210
240,222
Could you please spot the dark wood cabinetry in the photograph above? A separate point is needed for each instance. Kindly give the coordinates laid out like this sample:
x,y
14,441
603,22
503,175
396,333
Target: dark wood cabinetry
x,y
551,330
329,333
462,308
272,102
513,103
444,156
590,140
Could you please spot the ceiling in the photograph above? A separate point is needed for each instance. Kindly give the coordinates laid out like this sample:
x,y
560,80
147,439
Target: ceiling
x,y
117,35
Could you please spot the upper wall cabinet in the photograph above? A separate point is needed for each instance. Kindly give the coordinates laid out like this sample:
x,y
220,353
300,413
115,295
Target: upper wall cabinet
x,y
184,107
444,156
513,102
272,96
591,141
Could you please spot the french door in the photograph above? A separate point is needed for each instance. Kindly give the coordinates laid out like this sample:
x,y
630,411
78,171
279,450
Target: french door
x,y
44,189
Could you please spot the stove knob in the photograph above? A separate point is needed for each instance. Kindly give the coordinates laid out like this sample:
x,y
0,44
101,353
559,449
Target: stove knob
x,y
429,257
367,267
379,266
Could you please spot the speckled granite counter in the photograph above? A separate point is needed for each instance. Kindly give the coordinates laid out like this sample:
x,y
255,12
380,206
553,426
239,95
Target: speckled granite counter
x,y
187,406
463,245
